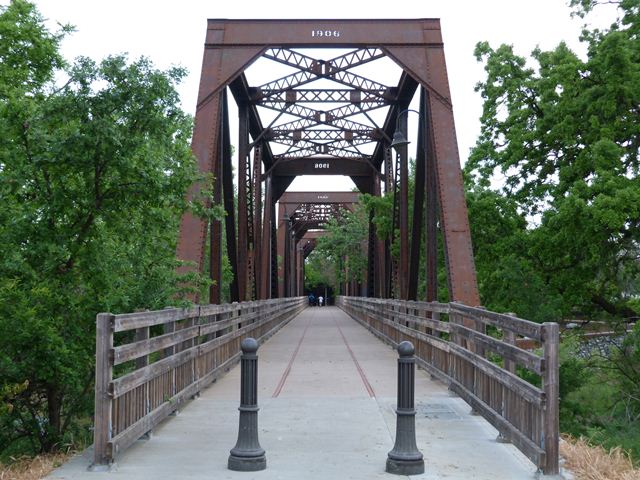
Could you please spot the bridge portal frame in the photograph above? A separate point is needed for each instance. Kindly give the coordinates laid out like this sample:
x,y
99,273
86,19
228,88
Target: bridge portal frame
x,y
413,44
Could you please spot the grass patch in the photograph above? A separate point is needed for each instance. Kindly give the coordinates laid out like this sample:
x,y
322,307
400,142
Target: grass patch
x,y
32,468
588,462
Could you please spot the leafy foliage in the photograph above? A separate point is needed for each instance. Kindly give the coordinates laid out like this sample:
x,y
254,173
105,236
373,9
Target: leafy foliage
x,y
92,182
563,132
344,246
565,136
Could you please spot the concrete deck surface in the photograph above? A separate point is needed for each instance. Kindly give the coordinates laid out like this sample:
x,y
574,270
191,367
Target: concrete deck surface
x,y
327,391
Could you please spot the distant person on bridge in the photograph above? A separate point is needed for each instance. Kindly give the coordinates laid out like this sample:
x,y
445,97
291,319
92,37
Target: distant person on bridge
x,y
312,300
320,300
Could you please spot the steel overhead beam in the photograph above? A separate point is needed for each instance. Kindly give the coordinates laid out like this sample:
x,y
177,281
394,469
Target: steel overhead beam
x,y
311,69
324,33
298,198
311,95
323,166
407,87
242,94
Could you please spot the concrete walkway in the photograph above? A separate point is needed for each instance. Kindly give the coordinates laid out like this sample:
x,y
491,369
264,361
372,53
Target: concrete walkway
x,y
327,395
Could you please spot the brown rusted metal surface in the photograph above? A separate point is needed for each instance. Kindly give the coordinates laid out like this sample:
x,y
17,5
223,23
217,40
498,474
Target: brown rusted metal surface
x,y
326,129
427,65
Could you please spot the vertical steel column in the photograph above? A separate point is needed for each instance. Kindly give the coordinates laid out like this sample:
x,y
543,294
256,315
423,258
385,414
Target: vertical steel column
x,y
215,226
380,255
243,214
264,287
403,271
274,249
257,218
418,207
283,244
300,268
229,207
431,211
389,189
372,260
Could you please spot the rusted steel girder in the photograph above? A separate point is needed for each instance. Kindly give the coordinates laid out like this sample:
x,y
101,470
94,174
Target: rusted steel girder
x,y
418,204
415,45
298,213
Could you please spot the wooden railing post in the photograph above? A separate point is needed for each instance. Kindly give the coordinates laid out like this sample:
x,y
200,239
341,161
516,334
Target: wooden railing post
x,y
102,456
550,384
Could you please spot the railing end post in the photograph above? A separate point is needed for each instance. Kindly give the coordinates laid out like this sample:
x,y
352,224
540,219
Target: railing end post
x,y
102,455
551,386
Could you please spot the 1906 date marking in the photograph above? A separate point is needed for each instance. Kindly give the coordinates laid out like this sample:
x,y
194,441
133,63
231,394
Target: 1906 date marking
x,y
325,33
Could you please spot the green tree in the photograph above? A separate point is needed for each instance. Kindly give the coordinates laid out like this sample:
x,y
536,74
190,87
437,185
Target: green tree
x,y
92,181
344,246
564,133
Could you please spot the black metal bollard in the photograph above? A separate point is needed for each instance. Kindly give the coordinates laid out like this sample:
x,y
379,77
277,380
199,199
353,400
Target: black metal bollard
x,y
405,458
248,455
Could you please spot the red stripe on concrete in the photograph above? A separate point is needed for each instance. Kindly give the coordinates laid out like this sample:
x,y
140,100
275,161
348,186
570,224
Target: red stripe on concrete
x,y
367,385
282,381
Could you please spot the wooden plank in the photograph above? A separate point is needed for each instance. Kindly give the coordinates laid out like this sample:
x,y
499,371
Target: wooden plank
x,y
522,357
139,348
506,378
509,337
127,437
428,323
551,385
103,400
523,443
136,378
520,326
130,321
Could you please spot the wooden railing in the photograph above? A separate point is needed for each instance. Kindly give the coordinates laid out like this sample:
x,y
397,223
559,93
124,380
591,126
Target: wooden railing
x,y
482,368
148,363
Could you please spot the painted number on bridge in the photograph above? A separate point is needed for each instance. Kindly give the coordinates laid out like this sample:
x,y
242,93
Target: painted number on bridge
x,y
321,165
325,33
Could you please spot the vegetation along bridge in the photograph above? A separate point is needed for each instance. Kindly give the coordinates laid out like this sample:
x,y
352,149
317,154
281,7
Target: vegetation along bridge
x,y
337,109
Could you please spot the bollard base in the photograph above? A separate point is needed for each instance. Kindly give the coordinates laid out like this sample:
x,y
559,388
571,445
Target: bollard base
x,y
405,467
244,464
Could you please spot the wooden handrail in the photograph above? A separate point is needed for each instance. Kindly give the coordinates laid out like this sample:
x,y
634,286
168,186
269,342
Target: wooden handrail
x,y
446,346
173,354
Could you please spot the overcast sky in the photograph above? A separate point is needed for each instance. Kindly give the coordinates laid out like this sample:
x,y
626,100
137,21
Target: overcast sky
x,y
172,33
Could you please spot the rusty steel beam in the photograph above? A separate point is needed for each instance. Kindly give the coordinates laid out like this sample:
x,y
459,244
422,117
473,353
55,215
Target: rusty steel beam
x,y
215,226
297,198
403,212
264,288
243,195
357,136
418,205
337,148
416,46
323,166
311,68
428,66
431,213
321,96
327,33
228,194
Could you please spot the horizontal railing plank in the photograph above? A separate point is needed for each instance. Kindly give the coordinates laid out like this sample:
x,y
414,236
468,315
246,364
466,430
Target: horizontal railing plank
x,y
520,326
506,378
522,357
515,436
129,351
130,321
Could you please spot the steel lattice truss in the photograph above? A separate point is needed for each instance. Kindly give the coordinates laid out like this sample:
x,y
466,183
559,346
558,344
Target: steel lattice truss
x,y
315,215
331,132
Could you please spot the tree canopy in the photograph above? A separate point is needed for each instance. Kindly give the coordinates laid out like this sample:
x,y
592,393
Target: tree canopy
x,y
563,132
93,175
